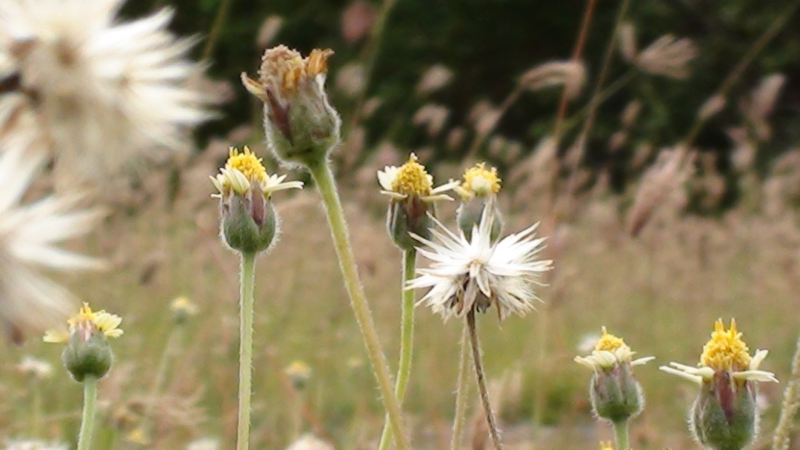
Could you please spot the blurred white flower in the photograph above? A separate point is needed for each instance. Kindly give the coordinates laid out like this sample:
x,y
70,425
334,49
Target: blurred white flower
x,y
36,369
309,442
97,93
204,444
474,273
34,445
29,301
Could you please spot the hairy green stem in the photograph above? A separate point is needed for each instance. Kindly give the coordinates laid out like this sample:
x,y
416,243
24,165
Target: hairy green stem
x,y
245,349
621,434
89,407
406,340
481,379
323,176
791,403
462,393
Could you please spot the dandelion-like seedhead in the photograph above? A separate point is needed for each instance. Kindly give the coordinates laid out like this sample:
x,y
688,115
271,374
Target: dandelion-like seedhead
x,y
724,415
29,234
300,124
97,93
476,273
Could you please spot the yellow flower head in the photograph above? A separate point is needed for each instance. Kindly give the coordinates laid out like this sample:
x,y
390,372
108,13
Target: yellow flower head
x,y
725,351
299,373
87,322
609,342
610,351
479,181
606,445
244,170
411,180
182,305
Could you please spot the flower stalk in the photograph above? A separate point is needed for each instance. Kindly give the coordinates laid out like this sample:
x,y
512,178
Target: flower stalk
x,y
621,434
406,340
89,407
245,349
481,379
321,172
462,392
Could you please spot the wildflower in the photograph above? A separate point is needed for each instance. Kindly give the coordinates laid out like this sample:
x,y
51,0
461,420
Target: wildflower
x,y
182,309
249,222
34,368
309,442
299,373
606,445
614,392
87,353
411,189
724,416
34,445
477,273
300,123
87,83
204,444
28,237
478,190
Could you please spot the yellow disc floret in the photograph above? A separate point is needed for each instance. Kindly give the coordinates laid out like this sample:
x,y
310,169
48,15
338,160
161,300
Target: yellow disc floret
x,y
481,181
609,342
726,351
412,179
248,164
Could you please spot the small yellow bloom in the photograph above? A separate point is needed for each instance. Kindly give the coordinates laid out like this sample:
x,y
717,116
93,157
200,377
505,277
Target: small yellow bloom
x,y
299,373
182,305
85,323
479,181
244,170
606,445
411,180
725,352
609,351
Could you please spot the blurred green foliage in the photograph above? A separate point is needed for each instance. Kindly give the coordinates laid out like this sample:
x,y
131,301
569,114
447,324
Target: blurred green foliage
x,y
489,43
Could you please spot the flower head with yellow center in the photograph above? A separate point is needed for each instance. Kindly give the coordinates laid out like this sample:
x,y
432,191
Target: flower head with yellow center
x,y
610,351
245,170
85,323
479,181
727,353
411,180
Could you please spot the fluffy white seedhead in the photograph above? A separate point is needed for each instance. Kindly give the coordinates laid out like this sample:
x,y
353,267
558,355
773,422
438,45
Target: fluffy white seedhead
x,y
98,93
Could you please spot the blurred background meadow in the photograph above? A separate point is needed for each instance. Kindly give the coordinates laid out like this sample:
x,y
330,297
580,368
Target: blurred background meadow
x,y
657,142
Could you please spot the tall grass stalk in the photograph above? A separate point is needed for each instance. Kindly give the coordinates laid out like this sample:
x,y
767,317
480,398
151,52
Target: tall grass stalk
x,y
89,407
245,349
480,377
777,25
791,403
323,176
406,340
462,392
216,28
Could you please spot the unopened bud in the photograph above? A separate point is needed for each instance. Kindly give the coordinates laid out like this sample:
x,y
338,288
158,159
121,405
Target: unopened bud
x,y
249,223
615,394
724,416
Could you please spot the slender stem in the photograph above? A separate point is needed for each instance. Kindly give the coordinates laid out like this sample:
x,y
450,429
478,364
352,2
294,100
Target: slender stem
x,y
36,409
791,403
171,347
738,70
245,350
89,406
576,55
621,434
406,340
481,378
216,28
323,176
462,393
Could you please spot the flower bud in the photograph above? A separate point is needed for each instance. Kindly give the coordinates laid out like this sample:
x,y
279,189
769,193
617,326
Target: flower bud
x,y
87,353
300,124
614,392
478,191
249,223
723,416
413,197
